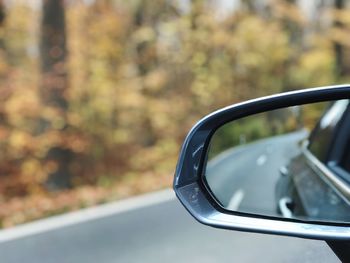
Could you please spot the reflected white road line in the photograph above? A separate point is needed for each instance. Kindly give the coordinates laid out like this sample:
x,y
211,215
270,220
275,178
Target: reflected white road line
x,y
235,200
269,149
261,160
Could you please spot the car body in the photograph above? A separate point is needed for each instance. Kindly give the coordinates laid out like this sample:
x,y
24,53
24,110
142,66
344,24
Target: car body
x,y
312,184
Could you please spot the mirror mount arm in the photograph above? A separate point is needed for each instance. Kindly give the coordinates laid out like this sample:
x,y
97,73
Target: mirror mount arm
x,y
341,249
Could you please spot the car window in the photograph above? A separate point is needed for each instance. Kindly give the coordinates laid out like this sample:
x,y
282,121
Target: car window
x,y
322,136
345,161
342,160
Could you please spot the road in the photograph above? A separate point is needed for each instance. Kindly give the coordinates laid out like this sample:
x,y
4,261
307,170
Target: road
x,y
157,230
243,178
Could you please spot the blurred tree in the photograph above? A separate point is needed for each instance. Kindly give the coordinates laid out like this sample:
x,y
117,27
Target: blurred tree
x,y
54,84
3,92
146,20
249,5
342,66
2,25
2,13
197,9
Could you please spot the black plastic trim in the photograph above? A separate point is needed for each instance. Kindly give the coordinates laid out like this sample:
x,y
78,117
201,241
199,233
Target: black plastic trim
x,y
193,153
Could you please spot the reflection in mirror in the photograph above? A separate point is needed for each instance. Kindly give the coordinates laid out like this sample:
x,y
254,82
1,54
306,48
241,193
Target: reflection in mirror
x,y
291,162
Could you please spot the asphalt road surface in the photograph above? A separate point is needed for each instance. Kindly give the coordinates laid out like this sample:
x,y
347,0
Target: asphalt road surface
x,y
244,178
150,228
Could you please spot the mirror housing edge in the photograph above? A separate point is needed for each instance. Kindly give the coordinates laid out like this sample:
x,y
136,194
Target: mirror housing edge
x,y
199,201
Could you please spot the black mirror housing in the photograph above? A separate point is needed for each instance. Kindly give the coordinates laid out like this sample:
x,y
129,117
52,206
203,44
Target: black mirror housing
x,y
198,199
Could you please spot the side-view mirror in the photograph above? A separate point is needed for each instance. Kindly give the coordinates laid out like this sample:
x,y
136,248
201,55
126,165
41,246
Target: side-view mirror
x,y
278,165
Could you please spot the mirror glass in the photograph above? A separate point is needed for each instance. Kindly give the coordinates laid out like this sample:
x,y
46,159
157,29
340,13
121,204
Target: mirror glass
x,y
292,162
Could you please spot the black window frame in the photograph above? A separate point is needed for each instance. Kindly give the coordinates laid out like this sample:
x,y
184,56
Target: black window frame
x,y
314,136
338,147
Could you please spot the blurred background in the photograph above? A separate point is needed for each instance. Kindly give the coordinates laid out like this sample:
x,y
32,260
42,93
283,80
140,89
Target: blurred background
x,y
97,96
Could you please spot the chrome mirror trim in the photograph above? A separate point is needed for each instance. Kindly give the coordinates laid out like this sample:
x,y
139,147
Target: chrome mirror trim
x,y
201,209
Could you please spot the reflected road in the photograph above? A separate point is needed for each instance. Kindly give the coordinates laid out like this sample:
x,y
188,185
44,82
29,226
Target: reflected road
x,y
244,178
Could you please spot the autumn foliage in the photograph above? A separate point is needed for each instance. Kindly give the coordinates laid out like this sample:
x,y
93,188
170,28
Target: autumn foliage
x,y
138,76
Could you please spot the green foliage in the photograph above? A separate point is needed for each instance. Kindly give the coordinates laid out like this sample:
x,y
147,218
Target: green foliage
x,y
239,132
264,125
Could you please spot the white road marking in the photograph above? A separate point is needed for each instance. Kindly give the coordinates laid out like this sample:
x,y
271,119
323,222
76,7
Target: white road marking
x,y
269,149
261,160
85,215
235,200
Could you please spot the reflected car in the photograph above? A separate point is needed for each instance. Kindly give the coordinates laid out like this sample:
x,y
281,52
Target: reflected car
x,y
315,184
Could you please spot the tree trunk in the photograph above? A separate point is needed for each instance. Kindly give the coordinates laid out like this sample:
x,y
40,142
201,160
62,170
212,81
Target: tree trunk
x,y
341,67
2,13
2,21
54,85
146,58
3,73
